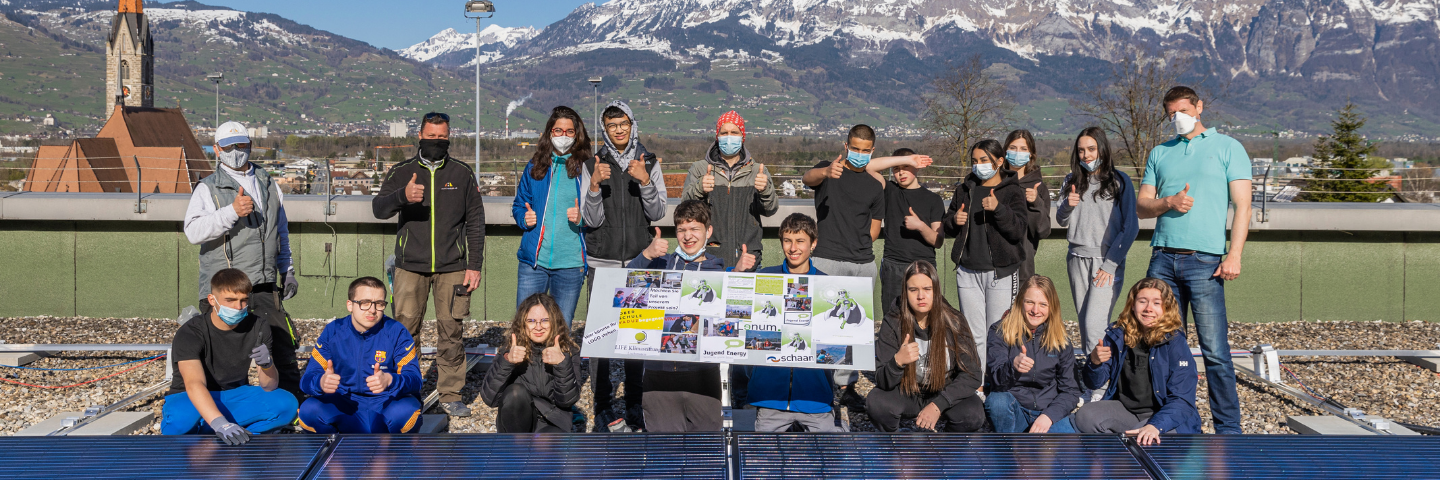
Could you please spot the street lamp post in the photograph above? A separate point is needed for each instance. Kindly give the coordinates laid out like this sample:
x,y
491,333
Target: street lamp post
x,y
216,77
595,82
478,10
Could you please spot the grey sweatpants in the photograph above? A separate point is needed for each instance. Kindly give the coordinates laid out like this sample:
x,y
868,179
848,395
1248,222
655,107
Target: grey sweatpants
x,y
1107,416
772,420
1093,304
983,299
848,269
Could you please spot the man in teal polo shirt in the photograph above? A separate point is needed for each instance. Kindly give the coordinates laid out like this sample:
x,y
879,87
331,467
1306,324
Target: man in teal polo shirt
x,y
1199,173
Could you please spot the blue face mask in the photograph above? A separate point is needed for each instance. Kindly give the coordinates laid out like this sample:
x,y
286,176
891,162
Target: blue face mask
x,y
730,144
984,170
1090,165
688,257
229,315
859,160
1017,159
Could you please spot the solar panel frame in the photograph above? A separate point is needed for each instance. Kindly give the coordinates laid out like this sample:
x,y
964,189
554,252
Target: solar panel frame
x,y
935,455
549,456
158,456
1263,457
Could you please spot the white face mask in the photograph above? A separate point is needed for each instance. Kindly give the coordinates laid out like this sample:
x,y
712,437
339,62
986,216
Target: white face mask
x,y
1184,124
562,144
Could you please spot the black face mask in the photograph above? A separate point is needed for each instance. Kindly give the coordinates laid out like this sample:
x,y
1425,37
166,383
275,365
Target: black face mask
x,y
434,149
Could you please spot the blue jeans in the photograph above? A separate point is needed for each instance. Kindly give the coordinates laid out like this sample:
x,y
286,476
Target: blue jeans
x,y
563,284
248,406
1009,416
1199,291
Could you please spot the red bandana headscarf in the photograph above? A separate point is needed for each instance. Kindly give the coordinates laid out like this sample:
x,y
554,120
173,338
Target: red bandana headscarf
x,y
731,117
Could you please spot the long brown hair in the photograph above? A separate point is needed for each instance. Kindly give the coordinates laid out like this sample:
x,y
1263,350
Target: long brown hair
x,y
1169,323
1104,175
949,332
1029,144
557,322
1015,329
579,151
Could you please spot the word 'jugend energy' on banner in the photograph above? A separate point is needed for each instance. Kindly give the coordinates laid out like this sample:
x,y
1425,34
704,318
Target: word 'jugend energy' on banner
x,y
738,318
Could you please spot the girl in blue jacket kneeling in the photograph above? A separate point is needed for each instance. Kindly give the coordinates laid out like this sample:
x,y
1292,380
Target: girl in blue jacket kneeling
x,y
1151,373
1031,372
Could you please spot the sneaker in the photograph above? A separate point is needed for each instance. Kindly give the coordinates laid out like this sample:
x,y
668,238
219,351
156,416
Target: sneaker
x,y
455,409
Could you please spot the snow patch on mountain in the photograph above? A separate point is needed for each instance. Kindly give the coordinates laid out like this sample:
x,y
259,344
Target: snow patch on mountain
x,y
450,40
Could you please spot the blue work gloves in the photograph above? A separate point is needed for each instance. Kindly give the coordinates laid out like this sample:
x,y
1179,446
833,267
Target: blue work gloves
x,y
228,432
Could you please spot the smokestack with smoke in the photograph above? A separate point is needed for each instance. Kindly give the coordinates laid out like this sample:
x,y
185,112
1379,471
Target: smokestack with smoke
x,y
511,108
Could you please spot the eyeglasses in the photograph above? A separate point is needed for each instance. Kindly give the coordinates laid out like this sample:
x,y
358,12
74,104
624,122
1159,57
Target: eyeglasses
x,y
562,133
535,322
368,304
438,115
617,126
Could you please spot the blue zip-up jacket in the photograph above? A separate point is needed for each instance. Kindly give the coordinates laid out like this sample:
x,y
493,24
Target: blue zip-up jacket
x,y
803,390
537,193
671,261
353,355
1172,375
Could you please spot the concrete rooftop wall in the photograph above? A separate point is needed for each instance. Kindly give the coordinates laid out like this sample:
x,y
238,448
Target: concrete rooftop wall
x,y
91,255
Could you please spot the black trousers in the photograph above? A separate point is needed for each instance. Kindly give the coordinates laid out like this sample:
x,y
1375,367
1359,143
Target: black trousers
x,y
517,413
887,407
605,389
265,303
892,284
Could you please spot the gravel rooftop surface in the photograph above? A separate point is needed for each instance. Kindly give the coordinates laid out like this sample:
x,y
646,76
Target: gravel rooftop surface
x,y
1378,385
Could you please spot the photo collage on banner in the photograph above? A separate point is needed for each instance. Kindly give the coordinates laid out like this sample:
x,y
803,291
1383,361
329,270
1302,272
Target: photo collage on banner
x,y
741,318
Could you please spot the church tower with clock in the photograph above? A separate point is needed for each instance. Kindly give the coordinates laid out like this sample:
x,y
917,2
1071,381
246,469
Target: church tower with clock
x,y
129,59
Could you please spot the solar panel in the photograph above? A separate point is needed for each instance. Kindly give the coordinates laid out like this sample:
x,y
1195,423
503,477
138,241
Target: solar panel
x,y
1296,456
923,456
509,456
155,456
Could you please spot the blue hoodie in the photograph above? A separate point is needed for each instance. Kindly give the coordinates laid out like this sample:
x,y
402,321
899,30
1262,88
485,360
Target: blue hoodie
x,y
537,193
802,390
671,261
354,354
1172,375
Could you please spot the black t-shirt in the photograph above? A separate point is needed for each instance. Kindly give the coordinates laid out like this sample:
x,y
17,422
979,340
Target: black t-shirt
x,y
224,354
844,208
902,244
1134,390
977,245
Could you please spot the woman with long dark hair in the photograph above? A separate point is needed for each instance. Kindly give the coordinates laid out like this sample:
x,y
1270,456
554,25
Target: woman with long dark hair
x,y
1030,378
1098,208
1021,157
533,381
987,218
547,210
1149,368
927,367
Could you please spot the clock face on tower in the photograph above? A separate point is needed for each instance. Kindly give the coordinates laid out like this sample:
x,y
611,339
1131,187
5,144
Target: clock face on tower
x,y
125,92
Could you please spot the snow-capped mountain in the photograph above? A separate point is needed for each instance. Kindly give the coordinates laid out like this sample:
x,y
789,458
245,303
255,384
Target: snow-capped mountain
x,y
450,41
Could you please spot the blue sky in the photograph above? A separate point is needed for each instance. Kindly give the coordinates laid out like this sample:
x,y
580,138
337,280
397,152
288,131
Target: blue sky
x,y
396,25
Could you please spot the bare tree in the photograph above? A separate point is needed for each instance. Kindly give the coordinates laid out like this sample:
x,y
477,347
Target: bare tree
x,y
967,105
1419,185
1129,103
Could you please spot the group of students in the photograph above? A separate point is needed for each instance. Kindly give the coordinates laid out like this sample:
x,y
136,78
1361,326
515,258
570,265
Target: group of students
x,y
1001,358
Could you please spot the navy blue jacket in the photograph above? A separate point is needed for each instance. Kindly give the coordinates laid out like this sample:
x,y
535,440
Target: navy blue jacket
x,y
1049,386
1172,375
537,193
353,355
803,390
671,261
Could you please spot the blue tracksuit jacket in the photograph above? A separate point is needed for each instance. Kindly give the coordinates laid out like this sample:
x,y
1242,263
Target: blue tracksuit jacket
x,y
353,355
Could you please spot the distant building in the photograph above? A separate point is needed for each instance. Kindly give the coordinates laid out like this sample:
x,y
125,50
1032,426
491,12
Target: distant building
x,y
49,120
259,132
159,139
399,130
129,58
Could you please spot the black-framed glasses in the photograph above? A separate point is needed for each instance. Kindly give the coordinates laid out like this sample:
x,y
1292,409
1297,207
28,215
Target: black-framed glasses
x,y
438,115
617,126
369,304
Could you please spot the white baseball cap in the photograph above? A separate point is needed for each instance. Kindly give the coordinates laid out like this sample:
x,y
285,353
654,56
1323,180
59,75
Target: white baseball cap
x,y
231,133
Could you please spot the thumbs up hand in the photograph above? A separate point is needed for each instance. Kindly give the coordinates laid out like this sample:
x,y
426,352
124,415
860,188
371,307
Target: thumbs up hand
x,y
529,216
913,222
761,178
414,192
637,170
1074,198
1182,201
836,168
379,381
962,215
1023,363
707,182
517,353
747,260
909,352
1100,355
1032,193
574,213
330,382
658,246
243,204
990,203
553,355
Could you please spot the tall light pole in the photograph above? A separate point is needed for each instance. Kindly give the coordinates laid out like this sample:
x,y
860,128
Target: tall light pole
x,y
595,82
478,10
216,77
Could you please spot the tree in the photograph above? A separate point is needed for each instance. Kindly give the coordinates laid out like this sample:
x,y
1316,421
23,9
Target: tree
x,y
1342,170
1130,102
396,156
968,104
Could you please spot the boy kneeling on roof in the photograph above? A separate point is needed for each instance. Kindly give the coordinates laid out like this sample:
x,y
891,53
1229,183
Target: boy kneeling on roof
x,y
212,393
364,372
